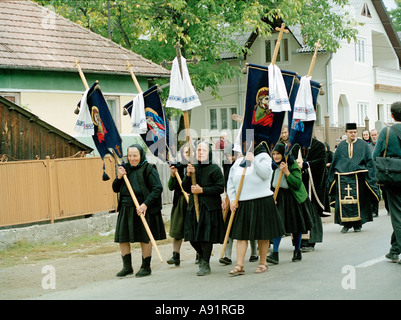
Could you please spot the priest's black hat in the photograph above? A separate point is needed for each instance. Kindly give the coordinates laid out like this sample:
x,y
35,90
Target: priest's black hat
x,y
350,126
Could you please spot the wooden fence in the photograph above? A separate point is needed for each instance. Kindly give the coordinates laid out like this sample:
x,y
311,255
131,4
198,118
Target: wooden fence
x,y
47,190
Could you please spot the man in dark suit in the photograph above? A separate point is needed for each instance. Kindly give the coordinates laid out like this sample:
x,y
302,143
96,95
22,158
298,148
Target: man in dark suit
x,y
393,194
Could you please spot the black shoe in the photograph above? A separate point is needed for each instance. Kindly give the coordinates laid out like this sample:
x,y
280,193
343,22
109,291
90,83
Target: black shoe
x,y
204,268
392,256
297,256
307,249
145,268
175,259
344,230
357,228
272,258
253,258
225,261
127,266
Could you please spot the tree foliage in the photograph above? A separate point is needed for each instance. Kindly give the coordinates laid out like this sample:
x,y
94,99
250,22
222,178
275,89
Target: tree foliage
x,y
204,28
395,15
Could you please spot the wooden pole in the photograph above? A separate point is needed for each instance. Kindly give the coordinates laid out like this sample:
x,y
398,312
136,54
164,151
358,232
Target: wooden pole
x,y
188,136
145,223
281,30
230,222
275,54
125,177
177,176
138,87
131,191
81,74
311,67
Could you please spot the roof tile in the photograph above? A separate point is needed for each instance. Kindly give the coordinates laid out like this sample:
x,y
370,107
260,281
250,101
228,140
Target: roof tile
x,y
29,39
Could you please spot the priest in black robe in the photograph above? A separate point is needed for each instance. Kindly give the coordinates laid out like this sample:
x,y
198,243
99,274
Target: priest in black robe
x,y
351,182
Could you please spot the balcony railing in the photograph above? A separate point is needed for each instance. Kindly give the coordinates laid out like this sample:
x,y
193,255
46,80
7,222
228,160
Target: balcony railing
x,y
388,80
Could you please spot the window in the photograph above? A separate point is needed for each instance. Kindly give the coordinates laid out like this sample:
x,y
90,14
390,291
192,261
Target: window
x,y
221,118
268,51
366,11
11,96
114,107
389,118
362,113
283,53
360,50
234,124
213,119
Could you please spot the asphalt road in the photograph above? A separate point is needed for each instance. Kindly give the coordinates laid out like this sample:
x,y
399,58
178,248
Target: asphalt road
x,y
344,267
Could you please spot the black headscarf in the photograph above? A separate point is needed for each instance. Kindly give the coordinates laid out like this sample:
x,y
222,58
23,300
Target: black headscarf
x,y
210,155
261,148
184,161
280,148
142,154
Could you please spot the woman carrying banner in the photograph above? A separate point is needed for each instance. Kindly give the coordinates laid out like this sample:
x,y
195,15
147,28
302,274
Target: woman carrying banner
x,y
256,216
147,187
292,202
208,228
230,155
179,208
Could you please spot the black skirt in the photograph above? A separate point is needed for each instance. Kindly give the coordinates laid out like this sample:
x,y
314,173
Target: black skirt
x,y
209,228
130,228
297,217
257,219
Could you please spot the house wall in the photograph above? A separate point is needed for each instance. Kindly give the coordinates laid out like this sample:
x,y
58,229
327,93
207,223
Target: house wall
x,y
24,136
353,82
53,96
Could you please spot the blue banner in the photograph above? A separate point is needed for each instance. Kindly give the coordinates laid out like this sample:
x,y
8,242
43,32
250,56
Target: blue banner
x,y
258,118
158,137
300,132
106,134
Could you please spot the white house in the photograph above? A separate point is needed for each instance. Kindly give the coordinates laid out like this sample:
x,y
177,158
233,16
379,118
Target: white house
x,y
360,80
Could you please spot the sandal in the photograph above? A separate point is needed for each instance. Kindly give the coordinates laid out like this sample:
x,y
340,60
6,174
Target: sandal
x,y
238,270
261,268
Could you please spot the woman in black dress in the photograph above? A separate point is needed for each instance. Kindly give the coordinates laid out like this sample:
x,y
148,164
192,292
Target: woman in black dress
x,y
209,229
179,208
147,187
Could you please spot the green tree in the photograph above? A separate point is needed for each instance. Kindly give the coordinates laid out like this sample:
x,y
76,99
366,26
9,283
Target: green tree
x,y
204,28
395,15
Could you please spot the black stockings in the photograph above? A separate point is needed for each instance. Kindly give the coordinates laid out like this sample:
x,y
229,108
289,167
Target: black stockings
x,y
203,248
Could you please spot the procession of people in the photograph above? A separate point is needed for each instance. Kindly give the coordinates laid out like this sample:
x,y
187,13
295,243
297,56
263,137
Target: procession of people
x,y
348,181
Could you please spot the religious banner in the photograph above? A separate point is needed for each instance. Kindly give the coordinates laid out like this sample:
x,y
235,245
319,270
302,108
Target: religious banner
x,y
301,118
104,133
157,134
95,119
258,117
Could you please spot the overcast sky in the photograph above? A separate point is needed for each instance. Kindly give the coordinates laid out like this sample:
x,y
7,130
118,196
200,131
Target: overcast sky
x,y
390,4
